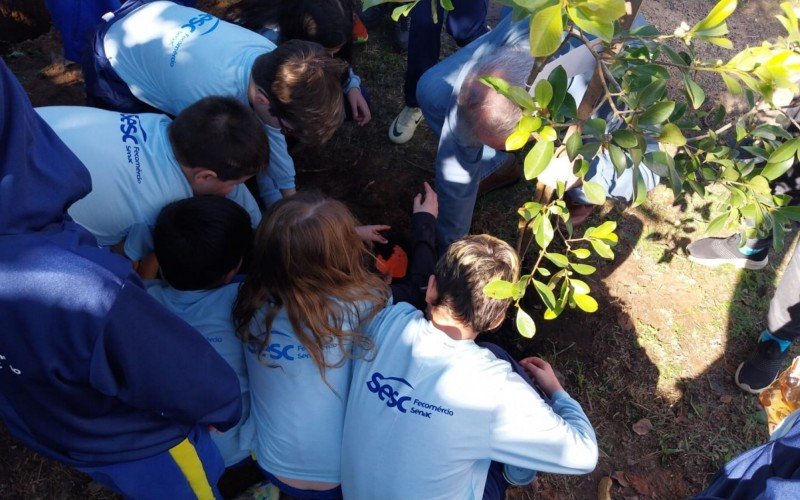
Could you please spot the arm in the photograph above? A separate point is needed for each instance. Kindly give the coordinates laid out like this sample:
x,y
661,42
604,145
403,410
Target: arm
x,y
529,433
241,195
423,250
151,360
280,175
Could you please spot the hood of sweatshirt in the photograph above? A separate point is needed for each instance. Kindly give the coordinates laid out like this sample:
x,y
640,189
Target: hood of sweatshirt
x,y
39,179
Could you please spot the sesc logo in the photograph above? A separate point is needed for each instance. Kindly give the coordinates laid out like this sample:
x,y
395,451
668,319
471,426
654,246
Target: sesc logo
x,y
199,21
386,392
130,127
277,350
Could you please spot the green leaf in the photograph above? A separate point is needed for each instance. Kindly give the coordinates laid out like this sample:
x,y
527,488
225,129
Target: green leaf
x,y
558,80
585,302
717,16
543,93
543,271
519,288
525,324
517,140
402,10
716,225
546,294
602,249
774,170
595,127
657,113
447,4
499,289
785,151
639,187
791,213
574,143
548,133
671,134
581,253
546,29
721,42
543,231
603,231
584,269
653,92
558,259
695,94
618,158
733,85
529,123
625,138
538,158
673,56
594,192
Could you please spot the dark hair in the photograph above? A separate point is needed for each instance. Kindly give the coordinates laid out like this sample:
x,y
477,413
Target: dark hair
x,y
222,135
199,240
470,264
304,86
326,22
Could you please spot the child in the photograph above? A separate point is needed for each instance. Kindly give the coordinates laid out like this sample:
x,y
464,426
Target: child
x,y
428,413
166,56
298,312
94,372
141,162
326,22
200,243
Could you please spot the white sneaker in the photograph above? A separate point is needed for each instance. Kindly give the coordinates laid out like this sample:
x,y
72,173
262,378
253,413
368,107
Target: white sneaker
x,y
402,128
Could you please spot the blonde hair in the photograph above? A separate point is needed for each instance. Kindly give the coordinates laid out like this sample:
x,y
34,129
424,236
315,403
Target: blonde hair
x,y
308,260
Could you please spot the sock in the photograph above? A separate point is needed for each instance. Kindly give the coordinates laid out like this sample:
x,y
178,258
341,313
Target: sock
x,y
783,343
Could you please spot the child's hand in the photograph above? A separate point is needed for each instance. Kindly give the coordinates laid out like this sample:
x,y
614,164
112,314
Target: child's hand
x,y
359,107
372,234
430,202
542,373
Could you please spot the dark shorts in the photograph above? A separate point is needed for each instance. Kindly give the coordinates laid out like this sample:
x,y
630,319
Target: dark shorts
x,y
332,494
104,87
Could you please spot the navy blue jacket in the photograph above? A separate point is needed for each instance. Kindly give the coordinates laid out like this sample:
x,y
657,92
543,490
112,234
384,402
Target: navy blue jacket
x,y
92,369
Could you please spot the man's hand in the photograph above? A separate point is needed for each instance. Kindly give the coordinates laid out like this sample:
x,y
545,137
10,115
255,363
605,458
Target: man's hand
x,y
359,106
427,202
288,192
542,373
559,169
371,233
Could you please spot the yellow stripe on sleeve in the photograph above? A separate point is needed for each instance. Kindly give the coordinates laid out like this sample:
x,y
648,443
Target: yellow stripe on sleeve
x,y
189,462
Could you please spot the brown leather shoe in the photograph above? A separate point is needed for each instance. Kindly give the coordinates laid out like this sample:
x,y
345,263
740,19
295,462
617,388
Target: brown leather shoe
x,y
578,213
508,173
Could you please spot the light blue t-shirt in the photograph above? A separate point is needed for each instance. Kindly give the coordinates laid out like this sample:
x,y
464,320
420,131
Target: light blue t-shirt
x,y
134,173
171,56
427,416
298,416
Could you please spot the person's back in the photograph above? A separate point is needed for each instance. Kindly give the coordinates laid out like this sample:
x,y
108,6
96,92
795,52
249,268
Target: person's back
x,y
428,415
159,48
95,373
200,244
135,166
299,311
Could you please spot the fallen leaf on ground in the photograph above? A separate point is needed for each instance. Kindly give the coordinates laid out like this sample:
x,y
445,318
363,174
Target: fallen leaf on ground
x,y
643,427
640,484
604,489
619,477
725,399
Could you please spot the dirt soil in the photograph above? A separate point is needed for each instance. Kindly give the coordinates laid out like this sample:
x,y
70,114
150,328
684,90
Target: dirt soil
x,y
660,352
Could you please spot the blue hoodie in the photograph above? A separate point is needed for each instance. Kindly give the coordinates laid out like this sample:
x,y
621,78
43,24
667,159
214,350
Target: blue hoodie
x,y
93,370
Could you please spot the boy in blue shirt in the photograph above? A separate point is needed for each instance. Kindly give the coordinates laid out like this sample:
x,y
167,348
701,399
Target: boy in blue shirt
x,y
166,56
433,414
200,244
141,162
94,372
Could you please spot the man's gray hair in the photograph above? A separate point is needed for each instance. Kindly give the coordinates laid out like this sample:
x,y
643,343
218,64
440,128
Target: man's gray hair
x,y
485,111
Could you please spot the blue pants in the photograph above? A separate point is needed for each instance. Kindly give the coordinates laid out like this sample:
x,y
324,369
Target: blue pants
x,y
465,23
188,470
461,161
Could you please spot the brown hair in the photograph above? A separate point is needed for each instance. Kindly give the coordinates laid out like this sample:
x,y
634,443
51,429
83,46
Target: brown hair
x,y
222,135
304,86
470,264
308,259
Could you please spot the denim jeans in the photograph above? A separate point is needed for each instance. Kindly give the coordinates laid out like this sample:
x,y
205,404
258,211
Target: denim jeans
x,y
465,23
783,319
461,161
